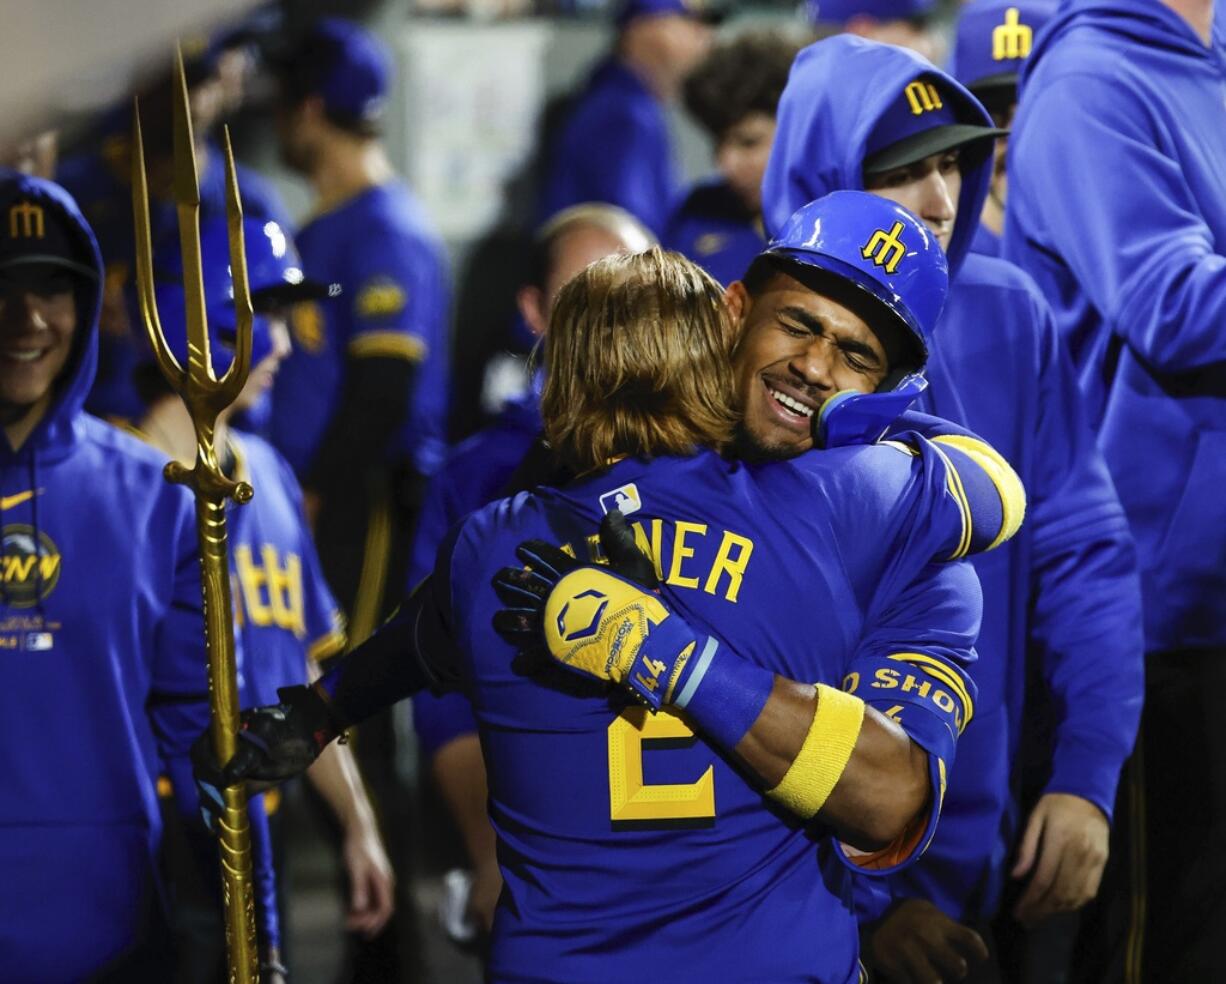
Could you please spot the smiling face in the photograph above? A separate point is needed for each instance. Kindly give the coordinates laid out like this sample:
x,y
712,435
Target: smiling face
x,y
797,348
930,188
38,318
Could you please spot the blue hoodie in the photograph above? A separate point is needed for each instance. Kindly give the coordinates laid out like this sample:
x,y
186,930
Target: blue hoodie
x,y
1065,587
1117,207
101,635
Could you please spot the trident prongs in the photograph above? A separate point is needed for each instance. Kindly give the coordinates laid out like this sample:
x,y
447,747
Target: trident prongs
x,y
206,396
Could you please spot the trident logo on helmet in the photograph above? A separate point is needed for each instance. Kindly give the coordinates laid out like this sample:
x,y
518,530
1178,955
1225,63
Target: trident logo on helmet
x,y
885,248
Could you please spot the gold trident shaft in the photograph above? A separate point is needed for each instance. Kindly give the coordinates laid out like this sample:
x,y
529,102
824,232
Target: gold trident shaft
x,y
206,397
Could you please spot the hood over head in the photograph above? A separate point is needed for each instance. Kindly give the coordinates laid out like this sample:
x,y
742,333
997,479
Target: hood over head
x,y
22,196
838,91
1144,25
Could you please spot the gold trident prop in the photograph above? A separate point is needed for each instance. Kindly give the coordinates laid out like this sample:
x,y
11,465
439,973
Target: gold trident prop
x,y
206,397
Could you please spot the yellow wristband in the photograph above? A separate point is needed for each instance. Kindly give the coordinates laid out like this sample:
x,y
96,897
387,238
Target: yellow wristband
x,y
824,755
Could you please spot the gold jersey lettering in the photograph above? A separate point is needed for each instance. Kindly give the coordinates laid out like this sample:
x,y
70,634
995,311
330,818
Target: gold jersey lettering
x,y
731,559
681,553
271,588
630,798
1012,39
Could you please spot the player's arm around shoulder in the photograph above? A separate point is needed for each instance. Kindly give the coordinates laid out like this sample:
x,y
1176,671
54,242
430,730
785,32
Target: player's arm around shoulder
x,y
817,750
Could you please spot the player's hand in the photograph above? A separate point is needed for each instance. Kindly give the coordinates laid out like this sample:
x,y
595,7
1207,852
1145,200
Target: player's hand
x,y
1064,848
274,743
596,620
372,885
483,897
918,944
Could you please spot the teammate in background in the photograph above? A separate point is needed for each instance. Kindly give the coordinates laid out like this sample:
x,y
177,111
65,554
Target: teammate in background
x,y
100,180
907,23
286,617
861,115
101,627
733,94
487,466
1117,206
638,389
359,408
614,145
992,41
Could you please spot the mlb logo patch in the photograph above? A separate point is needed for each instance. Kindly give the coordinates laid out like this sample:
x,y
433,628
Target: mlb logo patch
x,y
38,642
626,499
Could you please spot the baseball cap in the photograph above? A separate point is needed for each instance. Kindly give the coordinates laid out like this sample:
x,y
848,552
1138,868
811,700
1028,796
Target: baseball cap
x,y
31,234
920,122
992,40
841,11
703,10
344,64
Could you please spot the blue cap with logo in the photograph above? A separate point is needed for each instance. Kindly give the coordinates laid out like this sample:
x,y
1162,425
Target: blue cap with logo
x,y
887,253
992,40
841,11
920,122
344,64
698,9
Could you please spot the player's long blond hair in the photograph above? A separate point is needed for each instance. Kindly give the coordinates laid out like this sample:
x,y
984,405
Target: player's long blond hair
x,y
638,362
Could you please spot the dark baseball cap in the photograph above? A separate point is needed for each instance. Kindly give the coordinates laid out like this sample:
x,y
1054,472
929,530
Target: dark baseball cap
x,y
706,11
32,233
920,122
344,64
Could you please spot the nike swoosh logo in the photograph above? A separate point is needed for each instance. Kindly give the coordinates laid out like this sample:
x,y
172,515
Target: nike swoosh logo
x,y
9,501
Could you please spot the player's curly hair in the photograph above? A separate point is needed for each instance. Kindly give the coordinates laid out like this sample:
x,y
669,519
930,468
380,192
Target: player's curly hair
x,y
742,76
638,362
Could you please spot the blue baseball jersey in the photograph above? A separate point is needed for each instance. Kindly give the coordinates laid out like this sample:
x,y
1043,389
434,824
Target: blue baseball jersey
x,y
102,647
475,472
100,182
713,228
626,840
393,303
284,610
1064,592
614,146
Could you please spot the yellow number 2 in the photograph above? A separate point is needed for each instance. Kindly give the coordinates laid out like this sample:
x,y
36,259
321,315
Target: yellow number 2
x,y
629,797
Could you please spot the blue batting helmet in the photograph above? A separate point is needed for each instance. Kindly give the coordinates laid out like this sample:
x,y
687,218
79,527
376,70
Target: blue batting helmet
x,y
890,256
274,277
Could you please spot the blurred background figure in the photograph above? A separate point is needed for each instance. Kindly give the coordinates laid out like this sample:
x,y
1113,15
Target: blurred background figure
x,y
909,23
360,406
615,145
992,40
286,618
99,178
733,93
507,456
37,155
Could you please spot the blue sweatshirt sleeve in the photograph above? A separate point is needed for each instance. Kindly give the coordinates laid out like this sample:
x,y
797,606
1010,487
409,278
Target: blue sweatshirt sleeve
x,y
1130,231
1085,590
